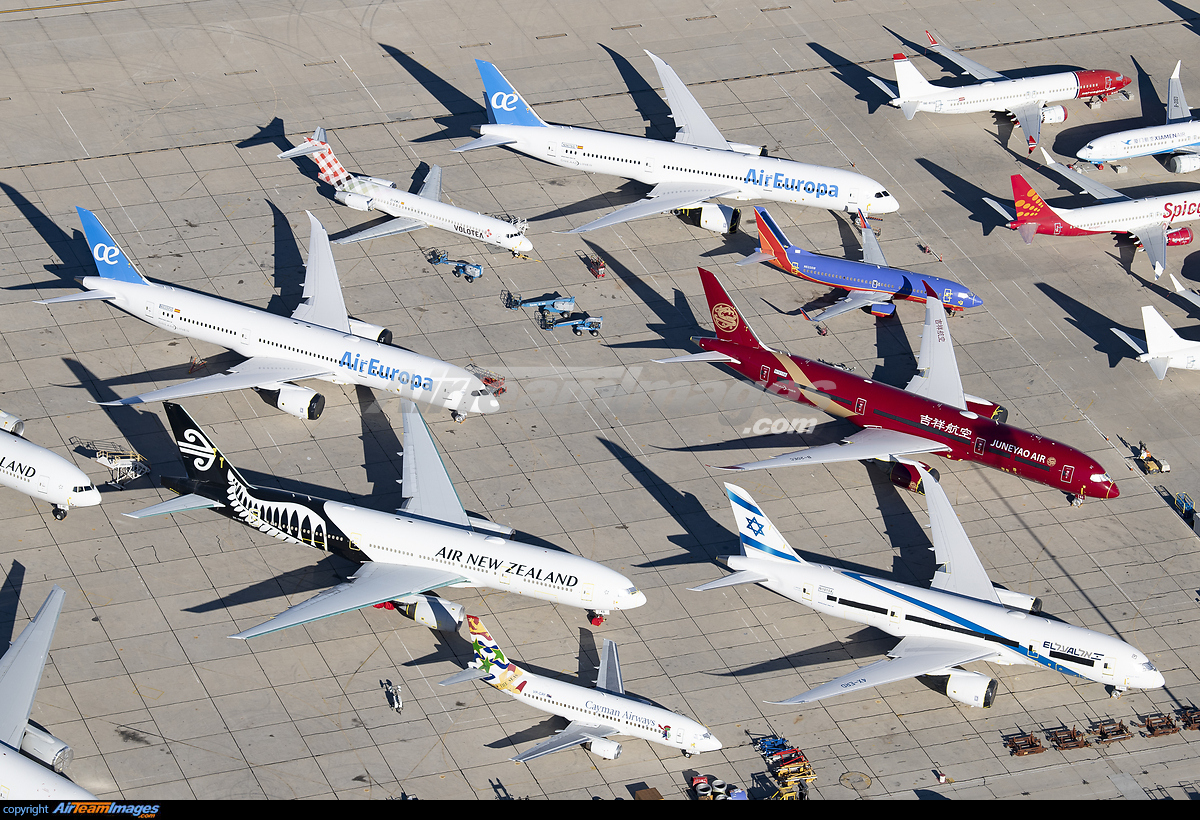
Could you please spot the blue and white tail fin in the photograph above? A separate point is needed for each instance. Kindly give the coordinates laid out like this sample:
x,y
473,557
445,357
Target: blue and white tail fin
x,y
757,534
504,105
111,262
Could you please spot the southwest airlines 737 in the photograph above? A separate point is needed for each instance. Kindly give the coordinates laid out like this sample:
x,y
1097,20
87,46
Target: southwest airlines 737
x,y
931,414
408,211
430,543
961,618
595,714
318,341
1023,99
697,166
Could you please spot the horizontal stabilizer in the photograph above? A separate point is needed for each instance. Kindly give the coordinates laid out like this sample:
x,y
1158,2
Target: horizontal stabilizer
x,y
909,109
1027,231
86,296
756,257
1129,340
183,503
472,673
1187,293
1000,209
314,145
389,228
886,88
1159,366
743,577
706,356
486,141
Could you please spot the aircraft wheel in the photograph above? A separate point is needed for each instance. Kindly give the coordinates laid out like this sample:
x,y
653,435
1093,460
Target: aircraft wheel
x,y
595,617
60,513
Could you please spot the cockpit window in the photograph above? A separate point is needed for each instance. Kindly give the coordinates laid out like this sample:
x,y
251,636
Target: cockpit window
x,y
631,591
881,194
1103,478
1148,667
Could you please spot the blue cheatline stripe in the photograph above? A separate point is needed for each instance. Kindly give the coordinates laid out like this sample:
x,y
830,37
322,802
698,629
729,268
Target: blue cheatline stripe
x,y
743,503
949,616
747,541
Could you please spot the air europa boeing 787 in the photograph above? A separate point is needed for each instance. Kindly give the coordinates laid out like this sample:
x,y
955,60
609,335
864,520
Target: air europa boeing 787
x,y
930,415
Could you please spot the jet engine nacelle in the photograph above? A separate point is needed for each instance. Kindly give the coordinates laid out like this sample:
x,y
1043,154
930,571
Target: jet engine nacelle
x,y
1054,113
605,748
300,402
1180,236
12,424
987,409
366,330
386,183
1183,163
41,745
1019,600
971,688
752,150
352,200
433,612
905,476
712,217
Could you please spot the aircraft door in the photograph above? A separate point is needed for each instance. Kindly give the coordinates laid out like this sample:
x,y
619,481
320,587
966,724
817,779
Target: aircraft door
x,y
43,487
806,592
1068,472
980,445
764,375
947,296
1057,228
860,407
588,591
551,150
356,541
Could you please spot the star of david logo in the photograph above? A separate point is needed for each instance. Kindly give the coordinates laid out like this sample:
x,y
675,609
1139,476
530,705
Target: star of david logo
x,y
755,526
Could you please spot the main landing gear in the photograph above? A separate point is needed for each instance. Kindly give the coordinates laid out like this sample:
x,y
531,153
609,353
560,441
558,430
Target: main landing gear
x,y
597,618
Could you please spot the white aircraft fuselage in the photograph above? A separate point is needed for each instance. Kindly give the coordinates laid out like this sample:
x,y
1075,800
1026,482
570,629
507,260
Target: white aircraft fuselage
x,y
653,161
25,779
1128,215
1017,637
39,473
349,359
1142,142
1001,95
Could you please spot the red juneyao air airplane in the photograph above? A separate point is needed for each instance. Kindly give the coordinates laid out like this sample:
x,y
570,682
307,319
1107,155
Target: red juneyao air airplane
x,y
930,415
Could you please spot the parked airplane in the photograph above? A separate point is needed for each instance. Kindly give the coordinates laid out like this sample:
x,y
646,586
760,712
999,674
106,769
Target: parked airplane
x,y
1162,348
408,211
595,714
1179,137
960,619
20,673
930,415
1024,100
1146,220
698,166
431,543
318,341
872,284
39,473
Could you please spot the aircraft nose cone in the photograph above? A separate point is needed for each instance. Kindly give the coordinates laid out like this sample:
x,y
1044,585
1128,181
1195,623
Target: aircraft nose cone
x,y
1155,680
90,498
1113,491
637,599
523,245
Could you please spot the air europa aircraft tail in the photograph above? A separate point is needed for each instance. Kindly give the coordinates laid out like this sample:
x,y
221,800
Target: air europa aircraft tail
x,y
727,321
504,105
111,262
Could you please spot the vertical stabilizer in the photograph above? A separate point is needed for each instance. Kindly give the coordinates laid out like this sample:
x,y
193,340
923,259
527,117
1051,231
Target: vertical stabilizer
x,y
910,84
1177,107
1161,341
504,105
329,169
202,460
501,672
771,240
111,261
757,534
727,320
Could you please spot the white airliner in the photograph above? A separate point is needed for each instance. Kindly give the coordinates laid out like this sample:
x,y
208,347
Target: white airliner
x,y
318,341
408,211
1180,137
595,714
39,473
962,618
431,543
1163,348
20,673
1023,99
698,166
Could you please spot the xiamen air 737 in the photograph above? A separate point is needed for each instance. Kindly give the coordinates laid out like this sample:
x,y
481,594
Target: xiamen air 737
x,y
595,714
408,211
960,619
318,341
430,544
697,166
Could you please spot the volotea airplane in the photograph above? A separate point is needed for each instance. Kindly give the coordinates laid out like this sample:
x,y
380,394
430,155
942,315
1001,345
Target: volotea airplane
x,y
431,543
1024,100
39,473
871,283
20,673
1179,136
962,618
1148,221
697,166
318,341
1163,348
409,212
595,714
931,414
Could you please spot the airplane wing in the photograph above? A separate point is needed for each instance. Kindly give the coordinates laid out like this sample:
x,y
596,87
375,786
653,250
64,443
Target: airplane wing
x,y
181,503
1100,191
856,299
695,128
609,676
973,68
400,224
322,303
1154,239
871,443
1177,107
373,584
910,658
431,188
1029,117
666,196
959,569
872,253
575,734
937,368
21,668
257,372
428,491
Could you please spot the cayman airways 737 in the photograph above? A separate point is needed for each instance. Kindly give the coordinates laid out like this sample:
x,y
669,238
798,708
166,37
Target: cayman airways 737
x,y
430,543
960,619
931,414
697,166
1024,99
408,211
1179,136
39,473
595,714
1149,220
318,341
872,284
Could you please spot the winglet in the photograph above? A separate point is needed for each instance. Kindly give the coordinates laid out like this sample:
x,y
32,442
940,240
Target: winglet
x,y
932,41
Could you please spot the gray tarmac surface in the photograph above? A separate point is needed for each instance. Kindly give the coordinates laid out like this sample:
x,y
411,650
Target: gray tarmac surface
x,y
166,118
